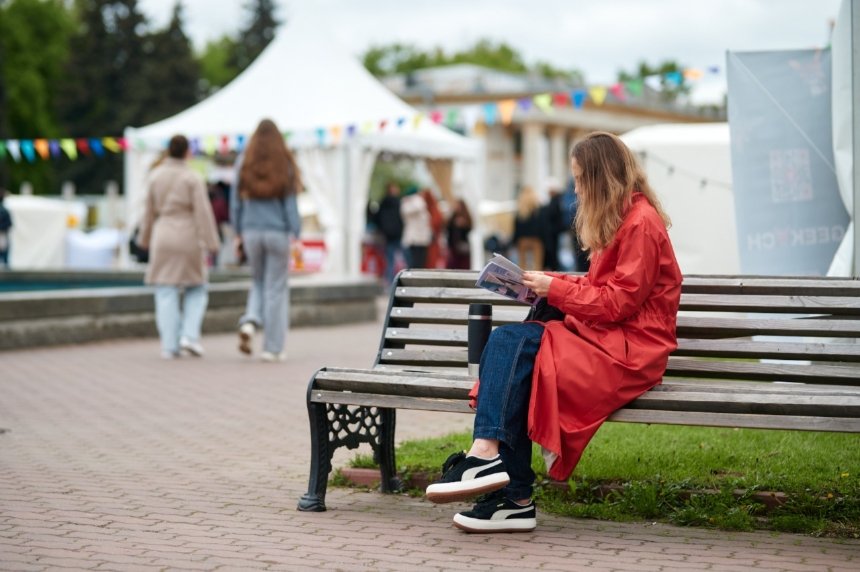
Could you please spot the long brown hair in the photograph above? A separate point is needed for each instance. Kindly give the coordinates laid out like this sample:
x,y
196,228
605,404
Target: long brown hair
x,y
527,203
609,176
269,170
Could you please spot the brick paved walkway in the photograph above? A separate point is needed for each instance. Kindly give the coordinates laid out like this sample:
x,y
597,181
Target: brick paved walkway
x,y
116,460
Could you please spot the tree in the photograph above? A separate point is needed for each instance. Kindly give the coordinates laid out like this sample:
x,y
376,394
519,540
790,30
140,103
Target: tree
x,y
33,44
256,35
670,74
170,65
105,88
215,68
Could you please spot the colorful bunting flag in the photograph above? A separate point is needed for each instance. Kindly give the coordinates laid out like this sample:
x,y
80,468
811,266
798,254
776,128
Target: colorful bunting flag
x,y
544,102
597,94
577,96
490,113
673,78
2,150
452,117
401,121
240,143
506,110
97,148
618,91
382,124
320,135
693,74
54,146
42,148
335,132
350,131
436,116
416,121
224,148
69,148
470,117
111,144
525,103
28,150
83,146
14,148
210,144
560,99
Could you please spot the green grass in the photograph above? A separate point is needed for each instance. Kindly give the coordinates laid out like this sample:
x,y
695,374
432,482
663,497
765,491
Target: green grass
x,y
658,472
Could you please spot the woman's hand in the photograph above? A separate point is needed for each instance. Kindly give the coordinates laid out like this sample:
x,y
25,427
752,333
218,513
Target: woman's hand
x,y
537,281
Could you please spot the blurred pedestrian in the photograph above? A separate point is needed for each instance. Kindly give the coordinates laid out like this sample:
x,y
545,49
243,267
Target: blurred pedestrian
x,y
529,229
178,229
265,215
5,231
581,260
556,226
437,223
390,225
459,227
417,232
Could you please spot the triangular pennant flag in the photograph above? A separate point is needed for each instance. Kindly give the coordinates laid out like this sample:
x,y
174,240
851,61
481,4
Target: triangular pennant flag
x,y
543,102
618,91
525,103
224,148
417,119
452,117
470,117
367,127
436,116
27,150
14,148
240,143
69,148
97,147
597,94
673,78
54,146
490,113
42,148
194,145
693,74
560,99
577,96
111,144
320,131
713,69
350,131
383,124
123,143
83,146
654,82
2,150
335,131
210,143
506,110
633,87
401,121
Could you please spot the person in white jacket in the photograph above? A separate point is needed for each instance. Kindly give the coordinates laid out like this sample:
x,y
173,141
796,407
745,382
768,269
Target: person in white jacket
x,y
417,233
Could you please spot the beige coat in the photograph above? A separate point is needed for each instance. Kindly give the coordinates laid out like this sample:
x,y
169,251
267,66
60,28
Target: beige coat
x,y
178,226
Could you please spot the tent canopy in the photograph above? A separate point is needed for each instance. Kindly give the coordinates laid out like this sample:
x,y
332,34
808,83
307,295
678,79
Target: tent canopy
x,y
307,86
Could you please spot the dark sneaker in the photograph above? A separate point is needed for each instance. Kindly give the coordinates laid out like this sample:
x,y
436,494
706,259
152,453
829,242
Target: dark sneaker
x,y
497,513
466,477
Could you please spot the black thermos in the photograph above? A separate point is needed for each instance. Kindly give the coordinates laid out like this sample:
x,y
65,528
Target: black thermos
x,y
480,325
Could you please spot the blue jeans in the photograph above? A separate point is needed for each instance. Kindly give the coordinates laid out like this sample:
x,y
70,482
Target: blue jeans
x,y
503,400
173,322
392,247
268,305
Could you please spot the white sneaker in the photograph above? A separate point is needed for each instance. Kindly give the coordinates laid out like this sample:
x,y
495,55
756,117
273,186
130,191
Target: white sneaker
x,y
272,357
246,336
193,348
167,354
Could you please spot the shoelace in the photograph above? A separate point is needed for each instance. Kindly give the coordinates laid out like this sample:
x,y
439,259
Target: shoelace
x,y
452,460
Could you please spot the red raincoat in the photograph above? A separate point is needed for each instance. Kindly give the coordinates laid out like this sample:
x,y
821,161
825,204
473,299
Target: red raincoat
x,y
614,342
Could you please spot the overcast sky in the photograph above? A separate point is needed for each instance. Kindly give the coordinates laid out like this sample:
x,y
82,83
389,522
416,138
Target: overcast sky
x,y
598,37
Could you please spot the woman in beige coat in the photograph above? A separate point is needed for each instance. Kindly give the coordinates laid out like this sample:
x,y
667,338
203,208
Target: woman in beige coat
x,y
179,230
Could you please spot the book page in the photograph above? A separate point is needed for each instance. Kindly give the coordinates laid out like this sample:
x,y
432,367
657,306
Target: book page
x,y
502,276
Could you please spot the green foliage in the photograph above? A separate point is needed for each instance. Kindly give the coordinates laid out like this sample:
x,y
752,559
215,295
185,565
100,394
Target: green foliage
x,y
404,58
215,67
33,45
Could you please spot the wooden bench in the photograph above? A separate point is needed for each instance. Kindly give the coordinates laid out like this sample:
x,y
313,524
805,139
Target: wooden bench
x,y
725,372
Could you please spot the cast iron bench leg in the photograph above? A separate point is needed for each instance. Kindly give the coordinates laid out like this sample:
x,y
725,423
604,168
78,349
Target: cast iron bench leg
x,y
314,499
390,482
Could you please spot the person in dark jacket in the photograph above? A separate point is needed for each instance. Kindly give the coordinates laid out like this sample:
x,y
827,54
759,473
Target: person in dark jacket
x,y
529,230
390,224
5,231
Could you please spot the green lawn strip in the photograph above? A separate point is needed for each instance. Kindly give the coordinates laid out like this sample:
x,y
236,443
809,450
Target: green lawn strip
x,y
692,475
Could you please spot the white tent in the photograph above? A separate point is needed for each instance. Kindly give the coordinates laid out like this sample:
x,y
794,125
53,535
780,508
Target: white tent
x,y
307,85
689,166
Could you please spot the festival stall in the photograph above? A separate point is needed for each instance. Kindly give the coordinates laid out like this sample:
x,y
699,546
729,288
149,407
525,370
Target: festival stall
x,y
336,117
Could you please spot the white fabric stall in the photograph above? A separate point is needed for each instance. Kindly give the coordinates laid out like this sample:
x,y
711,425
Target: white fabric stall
x,y
39,231
306,85
689,166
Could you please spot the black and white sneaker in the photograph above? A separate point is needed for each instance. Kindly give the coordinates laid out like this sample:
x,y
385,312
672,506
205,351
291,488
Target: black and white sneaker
x,y
466,477
497,513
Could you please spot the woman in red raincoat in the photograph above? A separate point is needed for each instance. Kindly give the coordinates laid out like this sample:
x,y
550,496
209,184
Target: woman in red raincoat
x,y
554,383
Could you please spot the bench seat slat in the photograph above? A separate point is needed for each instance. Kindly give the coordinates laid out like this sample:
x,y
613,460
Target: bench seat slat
x,y
725,327
698,418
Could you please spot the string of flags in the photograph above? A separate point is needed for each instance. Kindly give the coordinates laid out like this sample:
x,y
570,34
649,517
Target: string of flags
x,y
469,119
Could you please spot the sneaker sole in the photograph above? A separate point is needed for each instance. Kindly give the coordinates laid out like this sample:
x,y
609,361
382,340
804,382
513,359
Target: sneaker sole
x,y
244,342
451,492
478,526
191,351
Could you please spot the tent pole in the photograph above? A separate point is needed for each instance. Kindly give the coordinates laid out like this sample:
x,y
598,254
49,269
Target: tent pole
x,y
854,11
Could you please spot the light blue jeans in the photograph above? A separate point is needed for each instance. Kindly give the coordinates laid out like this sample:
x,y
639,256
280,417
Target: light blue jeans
x,y
268,306
173,322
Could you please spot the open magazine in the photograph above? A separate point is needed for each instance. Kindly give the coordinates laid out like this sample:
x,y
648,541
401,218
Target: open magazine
x,y
502,276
